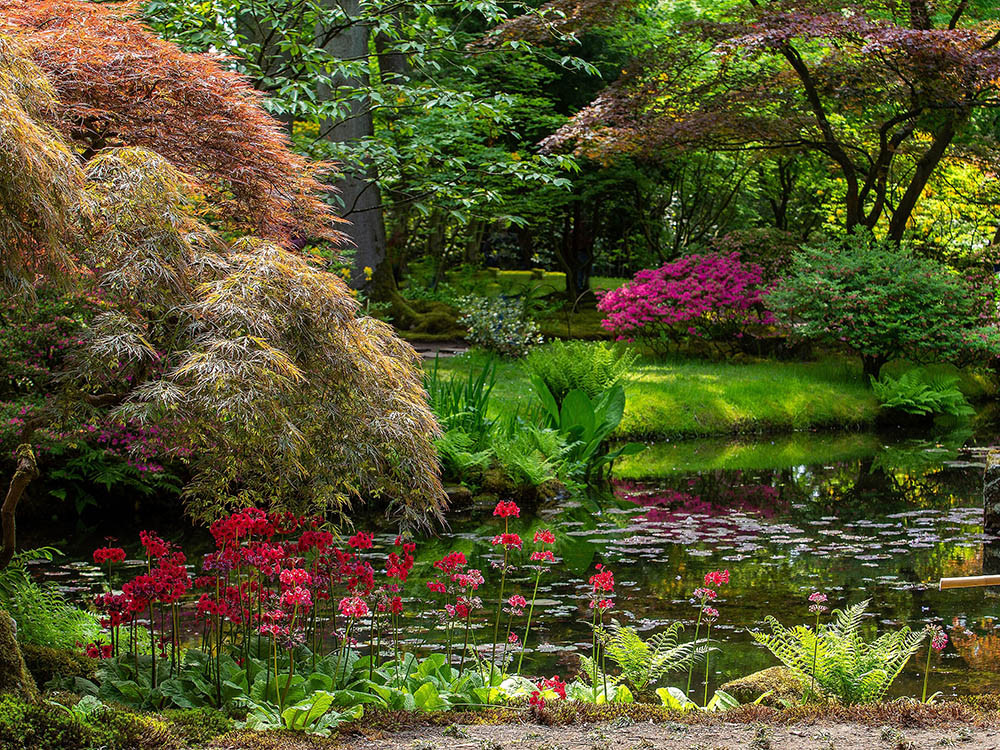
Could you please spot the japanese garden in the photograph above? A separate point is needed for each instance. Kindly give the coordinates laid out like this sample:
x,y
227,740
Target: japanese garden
x,y
574,374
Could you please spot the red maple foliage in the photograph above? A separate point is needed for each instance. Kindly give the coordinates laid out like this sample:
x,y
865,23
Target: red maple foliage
x,y
120,85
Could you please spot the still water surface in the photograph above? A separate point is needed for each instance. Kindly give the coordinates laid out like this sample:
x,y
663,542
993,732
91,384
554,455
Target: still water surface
x,y
883,523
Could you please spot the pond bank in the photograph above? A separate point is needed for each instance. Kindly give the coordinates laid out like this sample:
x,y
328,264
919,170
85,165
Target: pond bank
x,y
888,725
698,398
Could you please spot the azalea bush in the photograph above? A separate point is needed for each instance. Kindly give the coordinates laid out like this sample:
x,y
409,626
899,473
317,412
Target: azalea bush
x,y
715,296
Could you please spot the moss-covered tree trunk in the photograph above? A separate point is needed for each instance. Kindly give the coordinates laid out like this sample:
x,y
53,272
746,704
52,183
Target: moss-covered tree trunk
x,y
14,675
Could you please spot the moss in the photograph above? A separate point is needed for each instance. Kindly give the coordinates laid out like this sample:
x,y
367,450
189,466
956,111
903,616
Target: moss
x,y
120,729
46,663
198,725
25,725
14,676
782,684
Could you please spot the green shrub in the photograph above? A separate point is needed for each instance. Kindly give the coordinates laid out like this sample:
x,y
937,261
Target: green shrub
x,y
31,726
916,392
885,302
580,365
47,663
500,325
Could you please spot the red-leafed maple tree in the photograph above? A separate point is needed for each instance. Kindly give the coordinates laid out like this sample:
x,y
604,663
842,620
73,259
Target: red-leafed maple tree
x,y
132,172
884,90
118,84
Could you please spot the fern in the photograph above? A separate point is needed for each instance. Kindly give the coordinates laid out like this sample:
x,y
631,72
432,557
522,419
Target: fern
x,y
590,367
643,662
846,667
916,392
44,617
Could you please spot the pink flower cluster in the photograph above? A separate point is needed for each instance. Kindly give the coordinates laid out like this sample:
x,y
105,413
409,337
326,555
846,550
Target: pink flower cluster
x,y
713,296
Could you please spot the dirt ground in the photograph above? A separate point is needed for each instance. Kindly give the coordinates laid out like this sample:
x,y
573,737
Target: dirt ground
x,y
649,736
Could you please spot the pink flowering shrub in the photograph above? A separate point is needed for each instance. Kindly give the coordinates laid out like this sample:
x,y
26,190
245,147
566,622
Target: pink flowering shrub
x,y
714,296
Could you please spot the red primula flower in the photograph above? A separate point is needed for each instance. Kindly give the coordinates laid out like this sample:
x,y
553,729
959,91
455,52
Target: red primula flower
x,y
451,562
437,587
507,509
545,537
603,580
362,540
508,540
536,700
717,578
543,556
554,684
353,607
109,554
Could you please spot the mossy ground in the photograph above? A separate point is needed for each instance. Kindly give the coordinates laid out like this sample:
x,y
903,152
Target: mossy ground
x,y
561,725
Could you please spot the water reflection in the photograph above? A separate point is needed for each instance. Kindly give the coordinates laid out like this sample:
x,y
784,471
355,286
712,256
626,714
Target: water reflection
x,y
884,525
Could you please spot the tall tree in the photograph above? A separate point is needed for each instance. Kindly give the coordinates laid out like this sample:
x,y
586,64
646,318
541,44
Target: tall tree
x,y
885,91
388,91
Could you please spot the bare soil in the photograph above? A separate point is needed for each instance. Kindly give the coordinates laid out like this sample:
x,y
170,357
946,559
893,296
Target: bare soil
x,y
675,736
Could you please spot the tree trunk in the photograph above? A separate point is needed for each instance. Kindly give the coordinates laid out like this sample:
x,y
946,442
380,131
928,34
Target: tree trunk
x,y
358,187
25,472
577,253
871,365
14,675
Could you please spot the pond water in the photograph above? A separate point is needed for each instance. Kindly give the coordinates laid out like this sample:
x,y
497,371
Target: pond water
x,y
883,519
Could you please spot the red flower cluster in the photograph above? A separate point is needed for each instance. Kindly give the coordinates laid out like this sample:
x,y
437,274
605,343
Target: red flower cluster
x,y
507,540
399,566
507,509
109,555
717,578
545,537
267,571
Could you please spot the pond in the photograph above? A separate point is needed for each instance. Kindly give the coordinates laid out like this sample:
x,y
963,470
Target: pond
x,y
874,517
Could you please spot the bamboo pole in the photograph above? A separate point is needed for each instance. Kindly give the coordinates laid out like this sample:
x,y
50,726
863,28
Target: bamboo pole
x,y
968,582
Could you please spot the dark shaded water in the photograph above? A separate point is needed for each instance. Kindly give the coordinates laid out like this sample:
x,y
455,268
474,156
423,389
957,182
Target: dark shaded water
x,y
885,526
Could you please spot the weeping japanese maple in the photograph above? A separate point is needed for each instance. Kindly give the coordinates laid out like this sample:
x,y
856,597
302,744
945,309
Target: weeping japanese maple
x,y
133,170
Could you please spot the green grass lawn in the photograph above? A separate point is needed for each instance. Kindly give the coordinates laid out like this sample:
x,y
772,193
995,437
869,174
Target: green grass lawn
x,y
695,398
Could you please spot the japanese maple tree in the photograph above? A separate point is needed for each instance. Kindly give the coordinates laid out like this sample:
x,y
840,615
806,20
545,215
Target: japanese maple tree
x,y
885,91
135,172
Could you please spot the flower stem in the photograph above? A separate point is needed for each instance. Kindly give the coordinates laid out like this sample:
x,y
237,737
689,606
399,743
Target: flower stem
x,y
531,608
927,672
708,658
697,628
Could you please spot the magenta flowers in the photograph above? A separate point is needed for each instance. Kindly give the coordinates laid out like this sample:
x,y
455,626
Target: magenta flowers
x,y
713,296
